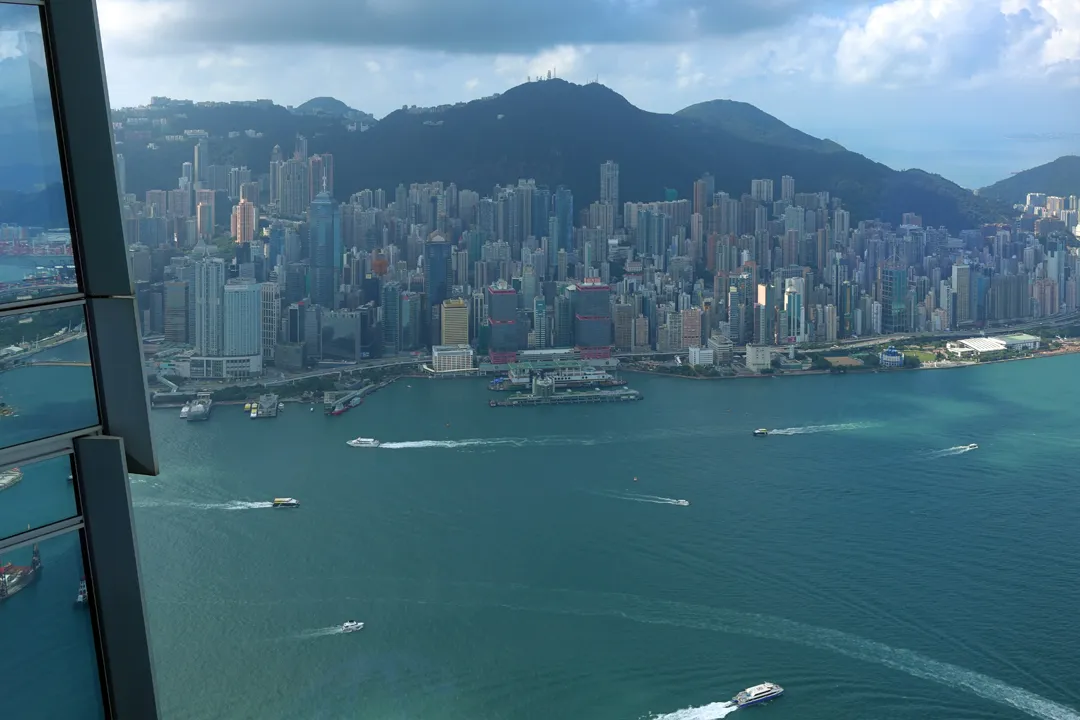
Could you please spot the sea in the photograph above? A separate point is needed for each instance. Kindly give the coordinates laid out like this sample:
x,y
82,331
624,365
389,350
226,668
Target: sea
x,y
901,545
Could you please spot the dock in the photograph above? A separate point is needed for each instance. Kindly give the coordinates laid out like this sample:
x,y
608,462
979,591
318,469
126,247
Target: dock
x,y
569,398
268,406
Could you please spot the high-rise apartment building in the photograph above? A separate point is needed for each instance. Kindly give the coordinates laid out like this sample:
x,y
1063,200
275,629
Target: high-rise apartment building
x,y
609,183
244,218
176,311
787,188
202,161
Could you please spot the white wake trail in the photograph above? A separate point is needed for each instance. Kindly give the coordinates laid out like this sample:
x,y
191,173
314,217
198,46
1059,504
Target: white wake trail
x,y
950,452
712,711
638,497
232,505
810,429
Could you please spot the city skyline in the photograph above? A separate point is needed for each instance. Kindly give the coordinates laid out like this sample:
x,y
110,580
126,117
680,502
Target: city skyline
x,y
843,71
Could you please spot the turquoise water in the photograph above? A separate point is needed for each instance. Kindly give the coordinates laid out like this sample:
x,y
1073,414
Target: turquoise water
x,y
507,565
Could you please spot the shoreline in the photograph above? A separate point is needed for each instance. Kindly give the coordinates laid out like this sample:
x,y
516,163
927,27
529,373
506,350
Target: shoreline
x,y
1070,350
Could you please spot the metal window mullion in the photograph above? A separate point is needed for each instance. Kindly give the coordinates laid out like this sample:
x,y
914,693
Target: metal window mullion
x,y
43,449
88,159
41,534
113,575
28,307
40,303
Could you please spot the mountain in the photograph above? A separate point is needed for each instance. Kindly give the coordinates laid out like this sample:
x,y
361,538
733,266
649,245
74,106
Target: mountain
x,y
559,133
1060,178
747,122
334,108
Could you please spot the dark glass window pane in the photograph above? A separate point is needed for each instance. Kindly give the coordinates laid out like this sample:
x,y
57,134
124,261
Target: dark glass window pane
x,y
35,245
49,663
35,495
46,385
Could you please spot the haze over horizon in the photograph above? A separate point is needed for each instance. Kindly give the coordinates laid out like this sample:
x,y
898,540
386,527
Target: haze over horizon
x,y
947,86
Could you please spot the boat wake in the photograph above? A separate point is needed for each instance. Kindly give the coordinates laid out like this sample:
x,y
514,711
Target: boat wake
x,y
949,452
322,632
712,711
467,443
637,497
639,609
809,429
232,505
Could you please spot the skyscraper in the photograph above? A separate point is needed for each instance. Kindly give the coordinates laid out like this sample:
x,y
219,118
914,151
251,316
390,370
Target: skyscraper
x,y
961,286
324,241
209,306
787,188
564,216
271,319
455,322
438,274
243,222
202,160
176,311
609,183
243,319
390,302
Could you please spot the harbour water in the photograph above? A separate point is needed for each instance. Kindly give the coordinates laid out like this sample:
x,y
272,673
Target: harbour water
x,y
508,565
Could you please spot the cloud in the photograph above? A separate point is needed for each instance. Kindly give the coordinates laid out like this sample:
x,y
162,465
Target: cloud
x,y
879,76
461,26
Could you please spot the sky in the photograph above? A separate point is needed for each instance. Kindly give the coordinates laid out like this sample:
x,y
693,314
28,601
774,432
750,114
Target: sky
x,y
970,89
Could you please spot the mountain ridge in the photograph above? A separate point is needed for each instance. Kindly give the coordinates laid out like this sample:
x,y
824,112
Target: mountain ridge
x,y
1060,177
559,133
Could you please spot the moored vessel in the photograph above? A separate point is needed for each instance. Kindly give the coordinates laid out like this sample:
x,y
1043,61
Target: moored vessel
x,y
14,578
201,407
10,477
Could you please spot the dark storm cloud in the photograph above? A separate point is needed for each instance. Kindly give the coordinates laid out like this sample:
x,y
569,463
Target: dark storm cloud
x,y
475,26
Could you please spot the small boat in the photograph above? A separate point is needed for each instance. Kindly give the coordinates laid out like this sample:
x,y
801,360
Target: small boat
x,y
351,626
280,406
312,410
286,502
254,410
758,694
682,503
363,442
635,478
973,446
761,432
185,411
247,406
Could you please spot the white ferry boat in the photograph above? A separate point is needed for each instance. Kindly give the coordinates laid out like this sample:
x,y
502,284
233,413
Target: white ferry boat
x,y
758,694
10,477
286,502
761,432
363,442
682,503
351,626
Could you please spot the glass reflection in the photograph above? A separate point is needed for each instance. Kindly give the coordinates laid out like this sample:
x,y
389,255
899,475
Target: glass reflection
x,y
35,495
35,244
51,664
46,384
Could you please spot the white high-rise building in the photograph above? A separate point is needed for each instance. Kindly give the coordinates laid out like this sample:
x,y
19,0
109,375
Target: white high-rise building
x,y
762,190
787,188
243,320
209,306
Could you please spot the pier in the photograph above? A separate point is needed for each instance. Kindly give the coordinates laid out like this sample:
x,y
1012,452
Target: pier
x,y
569,398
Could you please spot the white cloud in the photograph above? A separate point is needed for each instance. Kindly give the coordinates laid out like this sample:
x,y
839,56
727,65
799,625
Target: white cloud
x,y
373,67
472,83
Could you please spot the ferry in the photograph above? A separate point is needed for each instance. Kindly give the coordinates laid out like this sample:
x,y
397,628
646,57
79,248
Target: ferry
x,y
351,626
286,502
758,694
761,432
10,477
200,409
363,442
14,578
